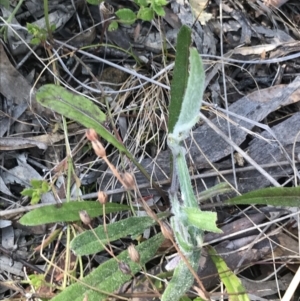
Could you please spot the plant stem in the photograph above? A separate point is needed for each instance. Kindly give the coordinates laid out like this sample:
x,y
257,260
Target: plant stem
x,y
187,192
9,19
46,13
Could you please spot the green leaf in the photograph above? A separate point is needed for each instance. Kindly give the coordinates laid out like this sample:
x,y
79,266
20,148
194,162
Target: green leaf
x,y
67,212
86,243
36,183
32,28
36,196
141,2
37,280
180,75
126,16
145,14
232,283
182,278
275,196
51,95
203,220
39,187
27,192
108,277
35,41
113,25
78,108
159,2
45,187
159,10
190,107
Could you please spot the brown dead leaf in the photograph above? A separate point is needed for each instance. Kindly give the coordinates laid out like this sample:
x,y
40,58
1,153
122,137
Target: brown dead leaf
x,y
17,90
42,141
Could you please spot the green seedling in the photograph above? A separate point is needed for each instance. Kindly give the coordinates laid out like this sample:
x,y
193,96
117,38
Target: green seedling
x,y
147,11
39,187
39,34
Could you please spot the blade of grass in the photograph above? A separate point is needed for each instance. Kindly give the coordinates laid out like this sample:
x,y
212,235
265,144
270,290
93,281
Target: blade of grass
x,y
232,283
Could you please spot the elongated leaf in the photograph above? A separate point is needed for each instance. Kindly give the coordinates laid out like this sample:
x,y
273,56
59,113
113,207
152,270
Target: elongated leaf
x,y
191,103
86,243
276,196
232,283
67,212
78,108
108,277
180,75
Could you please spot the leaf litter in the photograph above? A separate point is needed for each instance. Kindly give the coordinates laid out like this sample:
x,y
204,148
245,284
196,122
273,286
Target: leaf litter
x,y
262,110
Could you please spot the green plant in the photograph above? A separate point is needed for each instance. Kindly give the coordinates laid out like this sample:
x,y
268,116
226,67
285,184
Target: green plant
x,y
38,281
188,221
39,34
39,187
146,12
117,270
